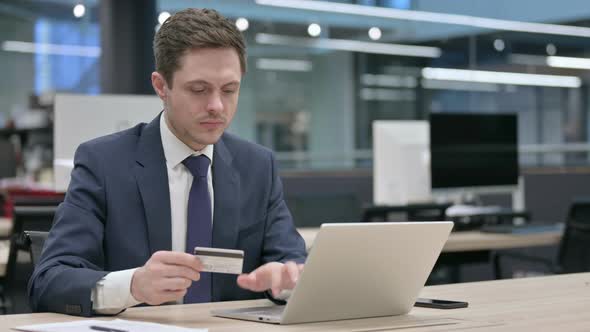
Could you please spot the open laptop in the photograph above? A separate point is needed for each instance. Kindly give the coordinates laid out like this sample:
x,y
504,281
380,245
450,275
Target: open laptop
x,y
358,270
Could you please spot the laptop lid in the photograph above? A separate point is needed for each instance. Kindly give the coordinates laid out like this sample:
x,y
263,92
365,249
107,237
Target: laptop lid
x,y
358,270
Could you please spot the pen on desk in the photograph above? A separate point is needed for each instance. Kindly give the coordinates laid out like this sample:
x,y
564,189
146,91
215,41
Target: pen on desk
x,y
105,329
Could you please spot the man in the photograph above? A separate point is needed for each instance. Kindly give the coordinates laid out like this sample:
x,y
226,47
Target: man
x,y
140,200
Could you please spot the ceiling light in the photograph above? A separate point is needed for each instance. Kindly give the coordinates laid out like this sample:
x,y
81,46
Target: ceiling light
x,y
481,76
79,10
460,86
551,49
499,45
53,49
350,45
394,81
422,16
283,64
375,33
242,24
527,59
568,62
314,30
163,17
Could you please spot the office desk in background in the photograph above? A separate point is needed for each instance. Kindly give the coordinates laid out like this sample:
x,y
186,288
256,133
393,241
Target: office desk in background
x,y
470,241
554,303
472,247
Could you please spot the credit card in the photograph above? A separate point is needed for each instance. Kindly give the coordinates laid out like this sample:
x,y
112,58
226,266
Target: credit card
x,y
220,260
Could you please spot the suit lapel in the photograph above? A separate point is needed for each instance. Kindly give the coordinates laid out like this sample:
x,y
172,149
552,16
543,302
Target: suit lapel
x,y
152,179
226,187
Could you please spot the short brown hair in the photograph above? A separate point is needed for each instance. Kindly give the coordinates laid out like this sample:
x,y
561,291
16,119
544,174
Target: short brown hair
x,y
191,29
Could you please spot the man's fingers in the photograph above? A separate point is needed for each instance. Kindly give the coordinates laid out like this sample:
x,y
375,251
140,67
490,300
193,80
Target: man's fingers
x,y
289,276
172,271
177,258
274,276
252,281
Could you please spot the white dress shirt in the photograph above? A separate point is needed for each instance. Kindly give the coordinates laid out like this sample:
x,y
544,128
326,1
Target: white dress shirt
x,y
112,293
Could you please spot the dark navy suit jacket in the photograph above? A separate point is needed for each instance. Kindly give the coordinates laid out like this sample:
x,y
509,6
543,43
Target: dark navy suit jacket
x,y
116,214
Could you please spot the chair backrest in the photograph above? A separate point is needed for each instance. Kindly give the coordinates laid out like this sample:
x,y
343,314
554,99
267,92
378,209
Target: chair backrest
x,y
574,251
8,160
38,218
36,240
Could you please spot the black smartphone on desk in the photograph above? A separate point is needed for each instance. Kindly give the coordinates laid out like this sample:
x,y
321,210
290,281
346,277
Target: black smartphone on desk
x,y
440,304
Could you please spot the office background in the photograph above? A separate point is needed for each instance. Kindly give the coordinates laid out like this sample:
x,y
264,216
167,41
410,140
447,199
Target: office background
x,y
318,79
314,105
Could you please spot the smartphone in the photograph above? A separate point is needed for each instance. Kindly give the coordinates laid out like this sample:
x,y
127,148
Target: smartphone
x,y
440,304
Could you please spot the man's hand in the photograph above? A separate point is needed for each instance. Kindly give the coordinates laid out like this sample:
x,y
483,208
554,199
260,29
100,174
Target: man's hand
x,y
165,277
274,276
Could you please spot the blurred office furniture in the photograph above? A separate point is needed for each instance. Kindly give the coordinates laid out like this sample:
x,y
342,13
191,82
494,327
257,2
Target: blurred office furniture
x,y
401,162
470,247
35,241
409,212
574,249
465,217
8,161
106,113
29,213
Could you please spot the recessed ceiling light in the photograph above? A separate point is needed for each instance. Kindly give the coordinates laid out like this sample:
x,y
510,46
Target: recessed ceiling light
x,y
79,10
499,45
375,33
314,30
163,17
242,24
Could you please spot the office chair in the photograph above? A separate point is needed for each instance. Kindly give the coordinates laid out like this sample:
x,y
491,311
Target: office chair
x,y
574,251
29,217
35,241
8,160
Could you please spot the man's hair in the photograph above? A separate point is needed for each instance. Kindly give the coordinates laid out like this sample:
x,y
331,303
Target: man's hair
x,y
191,29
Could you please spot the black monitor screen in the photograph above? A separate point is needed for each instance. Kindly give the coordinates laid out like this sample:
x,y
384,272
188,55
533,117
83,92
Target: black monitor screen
x,y
469,150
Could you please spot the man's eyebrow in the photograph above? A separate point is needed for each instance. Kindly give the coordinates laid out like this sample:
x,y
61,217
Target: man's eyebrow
x,y
198,81
232,83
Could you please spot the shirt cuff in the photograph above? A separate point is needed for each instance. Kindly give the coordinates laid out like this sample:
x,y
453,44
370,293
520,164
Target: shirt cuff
x,y
112,294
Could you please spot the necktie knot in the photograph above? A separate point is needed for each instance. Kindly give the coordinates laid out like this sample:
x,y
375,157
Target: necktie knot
x,y
197,165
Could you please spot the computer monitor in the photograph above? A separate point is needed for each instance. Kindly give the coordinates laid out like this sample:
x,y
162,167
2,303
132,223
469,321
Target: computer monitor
x,y
401,171
474,150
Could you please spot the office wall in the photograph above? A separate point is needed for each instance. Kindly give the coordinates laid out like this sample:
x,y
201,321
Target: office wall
x,y
17,69
332,107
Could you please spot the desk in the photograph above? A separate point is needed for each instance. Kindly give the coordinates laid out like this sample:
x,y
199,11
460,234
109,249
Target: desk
x,y
474,240
554,303
470,247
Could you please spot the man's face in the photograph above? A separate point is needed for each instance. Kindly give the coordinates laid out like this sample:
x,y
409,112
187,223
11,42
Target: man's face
x,y
204,95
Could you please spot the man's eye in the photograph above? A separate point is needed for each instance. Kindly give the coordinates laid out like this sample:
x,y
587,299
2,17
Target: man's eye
x,y
197,90
229,91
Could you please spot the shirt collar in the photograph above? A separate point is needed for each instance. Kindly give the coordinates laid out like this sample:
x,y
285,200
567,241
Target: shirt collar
x,y
175,151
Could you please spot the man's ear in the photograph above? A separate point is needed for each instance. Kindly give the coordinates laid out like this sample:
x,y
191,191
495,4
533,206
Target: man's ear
x,y
159,84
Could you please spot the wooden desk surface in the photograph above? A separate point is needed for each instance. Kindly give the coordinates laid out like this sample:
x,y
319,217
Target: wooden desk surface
x,y
475,240
554,303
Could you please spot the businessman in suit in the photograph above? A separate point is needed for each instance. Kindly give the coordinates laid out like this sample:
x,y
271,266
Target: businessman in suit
x,y
140,200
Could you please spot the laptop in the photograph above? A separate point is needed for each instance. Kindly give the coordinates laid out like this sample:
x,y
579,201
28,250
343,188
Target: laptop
x,y
358,270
